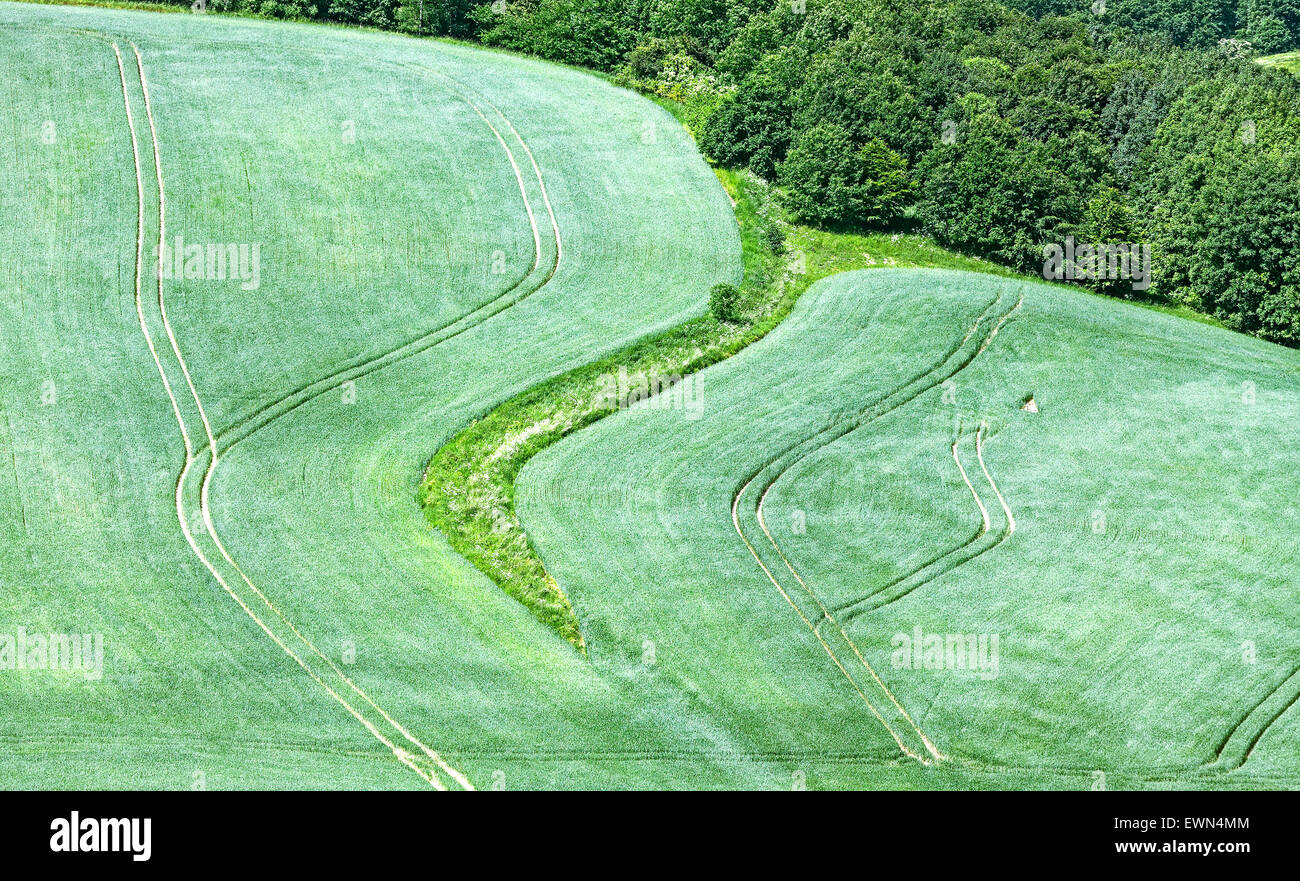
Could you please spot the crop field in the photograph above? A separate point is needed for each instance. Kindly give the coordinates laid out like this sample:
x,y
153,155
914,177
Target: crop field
x,y
257,274
1125,544
252,612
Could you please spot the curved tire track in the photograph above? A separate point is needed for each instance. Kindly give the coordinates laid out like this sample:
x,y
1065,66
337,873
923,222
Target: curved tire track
x,y
413,761
863,605
980,532
1239,743
269,413
921,382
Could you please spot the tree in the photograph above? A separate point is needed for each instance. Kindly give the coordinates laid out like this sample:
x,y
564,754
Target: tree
x,y
1268,35
1109,221
589,33
832,181
709,23
853,86
754,128
409,16
995,194
1248,271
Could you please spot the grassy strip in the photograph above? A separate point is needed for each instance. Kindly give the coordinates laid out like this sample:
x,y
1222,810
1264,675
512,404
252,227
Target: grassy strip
x,y
468,486
1287,61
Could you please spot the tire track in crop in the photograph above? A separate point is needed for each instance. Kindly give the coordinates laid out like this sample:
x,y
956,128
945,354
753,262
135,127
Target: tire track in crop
x,y
915,386
816,628
579,755
248,424
834,658
829,615
980,532
876,412
863,605
210,527
404,756
1243,737
245,428
400,753
735,504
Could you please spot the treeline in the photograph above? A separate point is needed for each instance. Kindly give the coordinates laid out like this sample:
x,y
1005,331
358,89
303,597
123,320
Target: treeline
x,y
1270,26
999,131
606,30
444,18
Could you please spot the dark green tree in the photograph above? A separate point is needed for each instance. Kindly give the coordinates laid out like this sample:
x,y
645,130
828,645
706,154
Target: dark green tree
x,y
832,180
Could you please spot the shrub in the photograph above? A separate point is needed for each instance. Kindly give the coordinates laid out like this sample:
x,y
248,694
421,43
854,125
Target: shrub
x,y
724,302
773,236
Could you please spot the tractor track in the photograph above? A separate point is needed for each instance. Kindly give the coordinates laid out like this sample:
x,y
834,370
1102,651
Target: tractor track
x,y
928,378
273,411
243,427
1221,760
863,605
980,532
426,763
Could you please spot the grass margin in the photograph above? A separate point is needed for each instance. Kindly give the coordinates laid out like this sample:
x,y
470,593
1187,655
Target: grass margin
x,y
468,487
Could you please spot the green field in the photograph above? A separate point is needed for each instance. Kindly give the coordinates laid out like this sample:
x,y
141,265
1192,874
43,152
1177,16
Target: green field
x,y
220,475
1152,533
367,247
1287,61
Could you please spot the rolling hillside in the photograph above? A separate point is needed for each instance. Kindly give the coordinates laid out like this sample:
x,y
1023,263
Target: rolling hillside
x,y
216,467
381,206
869,470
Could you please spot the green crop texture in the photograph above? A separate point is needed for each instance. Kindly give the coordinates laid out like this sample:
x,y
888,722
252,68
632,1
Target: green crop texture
x,y
870,468
215,469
